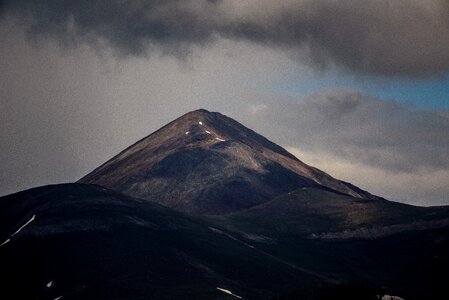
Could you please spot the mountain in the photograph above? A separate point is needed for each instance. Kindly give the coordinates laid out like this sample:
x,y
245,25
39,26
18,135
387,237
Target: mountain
x,y
80,241
320,214
205,208
376,243
207,163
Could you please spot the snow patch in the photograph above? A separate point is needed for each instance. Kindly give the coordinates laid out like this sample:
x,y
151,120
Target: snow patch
x,y
57,298
258,238
388,297
228,292
18,230
221,140
5,242
199,122
231,237
23,226
208,132
50,284
187,132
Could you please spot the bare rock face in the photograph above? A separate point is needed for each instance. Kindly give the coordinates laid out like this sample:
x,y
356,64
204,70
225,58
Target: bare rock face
x,y
207,163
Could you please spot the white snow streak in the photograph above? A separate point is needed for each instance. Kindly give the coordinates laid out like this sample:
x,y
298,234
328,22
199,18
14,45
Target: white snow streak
x,y
388,297
5,242
221,140
208,132
228,292
29,221
199,122
50,284
231,237
18,230
58,298
187,132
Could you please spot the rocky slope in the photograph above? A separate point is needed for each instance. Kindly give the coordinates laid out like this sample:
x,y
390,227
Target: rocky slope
x,y
207,163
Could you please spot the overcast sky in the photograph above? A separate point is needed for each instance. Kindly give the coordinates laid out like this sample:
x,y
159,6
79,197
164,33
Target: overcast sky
x,y
359,89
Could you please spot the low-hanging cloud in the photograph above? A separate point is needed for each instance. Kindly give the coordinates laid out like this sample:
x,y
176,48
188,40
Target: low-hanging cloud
x,y
382,37
357,127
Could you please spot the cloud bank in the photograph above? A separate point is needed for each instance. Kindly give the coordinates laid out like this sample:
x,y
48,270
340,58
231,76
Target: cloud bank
x,y
362,128
377,37
386,147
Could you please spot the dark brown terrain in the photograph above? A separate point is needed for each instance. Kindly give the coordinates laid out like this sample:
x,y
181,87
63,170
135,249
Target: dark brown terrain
x,y
207,163
205,208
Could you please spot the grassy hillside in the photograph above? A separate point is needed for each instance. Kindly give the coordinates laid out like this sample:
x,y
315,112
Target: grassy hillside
x,y
93,243
378,243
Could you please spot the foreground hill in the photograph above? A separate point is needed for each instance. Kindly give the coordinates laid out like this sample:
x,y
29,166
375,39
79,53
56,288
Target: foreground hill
x,y
79,241
380,244
84,242
207,163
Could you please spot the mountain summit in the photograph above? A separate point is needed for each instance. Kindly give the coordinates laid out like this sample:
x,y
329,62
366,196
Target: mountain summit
x,y
207,163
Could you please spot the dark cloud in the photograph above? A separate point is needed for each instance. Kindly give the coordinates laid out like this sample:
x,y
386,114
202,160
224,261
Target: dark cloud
x,y
131,27
63,113
360,128
383,37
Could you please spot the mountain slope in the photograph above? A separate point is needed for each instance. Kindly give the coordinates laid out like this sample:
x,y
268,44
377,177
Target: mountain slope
x,y
313,212
207,163
375,243
85,242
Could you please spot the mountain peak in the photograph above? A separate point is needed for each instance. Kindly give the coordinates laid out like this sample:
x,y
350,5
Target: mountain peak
x,y
220,127
205,162
200,111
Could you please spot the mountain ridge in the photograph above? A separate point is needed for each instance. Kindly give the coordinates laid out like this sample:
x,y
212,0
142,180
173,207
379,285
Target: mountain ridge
x,y
95,243
92,242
